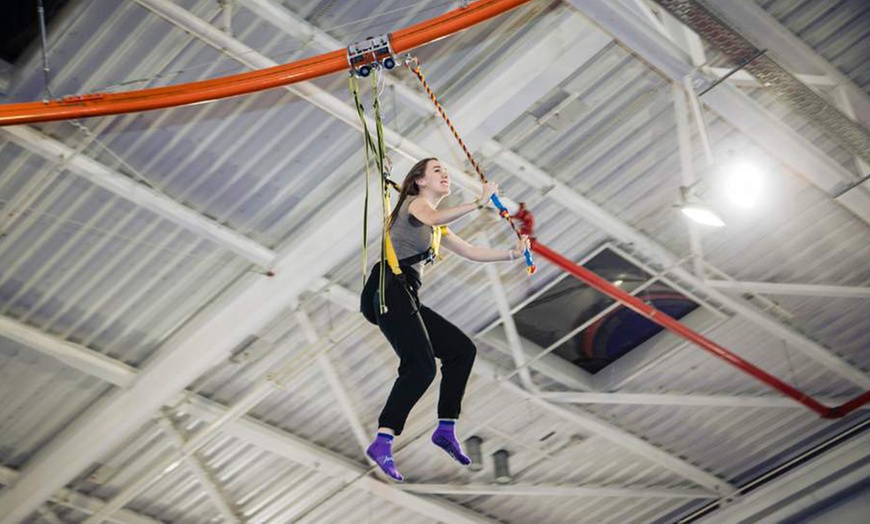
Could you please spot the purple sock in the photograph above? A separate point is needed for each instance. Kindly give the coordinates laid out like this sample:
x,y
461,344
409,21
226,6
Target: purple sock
x,y
380,450
445,438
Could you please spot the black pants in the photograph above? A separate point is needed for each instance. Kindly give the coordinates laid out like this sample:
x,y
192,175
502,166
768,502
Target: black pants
x,y
418,336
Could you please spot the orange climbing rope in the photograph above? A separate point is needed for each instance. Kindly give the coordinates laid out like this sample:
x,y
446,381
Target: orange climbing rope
x,y
414,65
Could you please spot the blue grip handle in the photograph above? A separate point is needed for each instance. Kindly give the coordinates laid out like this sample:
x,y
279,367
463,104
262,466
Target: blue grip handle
x,y
497,202
530,264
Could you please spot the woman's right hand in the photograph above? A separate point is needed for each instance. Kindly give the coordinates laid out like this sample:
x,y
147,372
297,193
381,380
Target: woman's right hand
x,y
489,189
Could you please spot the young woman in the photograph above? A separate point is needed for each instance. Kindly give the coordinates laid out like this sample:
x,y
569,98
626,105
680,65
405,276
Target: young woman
x,y
418,334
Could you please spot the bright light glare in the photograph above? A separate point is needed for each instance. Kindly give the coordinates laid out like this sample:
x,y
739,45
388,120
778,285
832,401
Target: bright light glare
x,y
743,184
702,215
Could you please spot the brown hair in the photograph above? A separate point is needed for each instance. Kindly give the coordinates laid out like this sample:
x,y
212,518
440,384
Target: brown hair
x,y
409,186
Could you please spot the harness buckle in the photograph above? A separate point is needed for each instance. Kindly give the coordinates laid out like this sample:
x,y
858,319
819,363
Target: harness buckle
x,y
430,257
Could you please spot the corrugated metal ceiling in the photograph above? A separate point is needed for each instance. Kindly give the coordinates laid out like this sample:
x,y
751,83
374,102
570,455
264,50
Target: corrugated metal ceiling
x,y
94,269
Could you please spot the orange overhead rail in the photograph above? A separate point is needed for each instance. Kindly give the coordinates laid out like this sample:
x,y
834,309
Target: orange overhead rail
x,y
99,104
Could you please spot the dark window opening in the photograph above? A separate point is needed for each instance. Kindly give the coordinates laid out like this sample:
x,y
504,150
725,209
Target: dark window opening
x,y
19,25
552,318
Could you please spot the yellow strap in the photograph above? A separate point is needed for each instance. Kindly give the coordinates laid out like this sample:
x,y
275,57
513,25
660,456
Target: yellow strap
x,y
392,259
437,233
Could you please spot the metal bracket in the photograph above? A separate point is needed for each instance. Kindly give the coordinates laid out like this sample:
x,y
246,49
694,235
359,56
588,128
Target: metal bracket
x,y
371,52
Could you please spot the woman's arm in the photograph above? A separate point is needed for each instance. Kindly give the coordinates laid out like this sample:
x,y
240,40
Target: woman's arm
x,y
480,253
423,210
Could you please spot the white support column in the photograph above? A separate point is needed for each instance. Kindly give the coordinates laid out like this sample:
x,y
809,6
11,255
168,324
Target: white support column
x,y
555,491
776,288
653,18
74,355
337,294
687,170
150,199
513,336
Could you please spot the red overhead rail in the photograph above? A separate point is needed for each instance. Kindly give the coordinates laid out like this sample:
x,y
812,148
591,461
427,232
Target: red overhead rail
x,y
97,104
673,325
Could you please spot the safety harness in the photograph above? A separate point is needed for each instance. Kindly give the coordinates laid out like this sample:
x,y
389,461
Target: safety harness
x,y
377,149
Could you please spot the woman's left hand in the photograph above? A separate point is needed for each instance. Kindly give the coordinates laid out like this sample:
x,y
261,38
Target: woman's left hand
x,y
523,244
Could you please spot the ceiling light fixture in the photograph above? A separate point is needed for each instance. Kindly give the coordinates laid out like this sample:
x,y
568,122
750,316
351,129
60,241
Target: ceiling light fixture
x,y
743,184
697,211
702,215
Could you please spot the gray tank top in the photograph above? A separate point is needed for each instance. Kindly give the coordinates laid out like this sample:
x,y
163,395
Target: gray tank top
x,y
409,235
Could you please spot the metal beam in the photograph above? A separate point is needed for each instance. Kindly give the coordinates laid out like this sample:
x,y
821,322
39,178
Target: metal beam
x,y
514,342
622,438
777,288
687,169
310,455
566,46
326,367
550,365
555,491
307,91
766,32
644,357
591,212
843,467
744,79
207,339
73,355
618,436
204,478
245,308
341,468
738,109
140,194
84,503
48,516
673,399
296,449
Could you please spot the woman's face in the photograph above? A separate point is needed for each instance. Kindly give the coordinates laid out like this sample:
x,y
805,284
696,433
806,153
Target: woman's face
x,y
436,179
